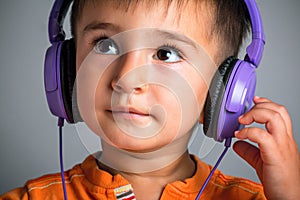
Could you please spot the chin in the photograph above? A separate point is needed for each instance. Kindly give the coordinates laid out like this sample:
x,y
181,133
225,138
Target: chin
x,y
136,145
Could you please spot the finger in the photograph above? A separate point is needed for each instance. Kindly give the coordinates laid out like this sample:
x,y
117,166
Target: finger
x,y
258,99
266,143
250,154
273,121
266,103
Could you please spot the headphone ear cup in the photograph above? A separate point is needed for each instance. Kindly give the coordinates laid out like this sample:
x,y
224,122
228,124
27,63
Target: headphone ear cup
x,y
68,76
213,103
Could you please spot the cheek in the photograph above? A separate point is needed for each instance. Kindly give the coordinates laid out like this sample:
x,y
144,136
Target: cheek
x,y
86,88
179,109
201,94
90,75
82,51
195,98
200,84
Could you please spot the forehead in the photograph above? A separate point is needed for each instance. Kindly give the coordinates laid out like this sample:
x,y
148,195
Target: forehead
x,y
130,5
188,17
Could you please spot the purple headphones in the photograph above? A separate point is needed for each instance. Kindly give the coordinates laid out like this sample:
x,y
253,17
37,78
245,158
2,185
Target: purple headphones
x,y
60,66
230,94
232,89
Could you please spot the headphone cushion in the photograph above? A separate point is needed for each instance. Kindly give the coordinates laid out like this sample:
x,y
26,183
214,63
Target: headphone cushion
x,y
68,75
215,96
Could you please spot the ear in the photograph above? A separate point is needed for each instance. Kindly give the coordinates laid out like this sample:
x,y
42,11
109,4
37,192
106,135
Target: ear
x,y
201,119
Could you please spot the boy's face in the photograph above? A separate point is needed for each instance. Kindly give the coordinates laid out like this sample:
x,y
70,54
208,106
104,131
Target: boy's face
x,y
142,76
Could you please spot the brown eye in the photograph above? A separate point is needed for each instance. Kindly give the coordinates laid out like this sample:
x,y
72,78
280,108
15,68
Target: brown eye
x,y
167,54
106,46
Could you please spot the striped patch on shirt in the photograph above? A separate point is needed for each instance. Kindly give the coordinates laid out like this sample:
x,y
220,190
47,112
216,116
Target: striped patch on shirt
x,y
124,193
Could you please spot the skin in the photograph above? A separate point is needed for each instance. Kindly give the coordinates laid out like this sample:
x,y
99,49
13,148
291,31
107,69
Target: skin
x,y
276,161
115,82
141,95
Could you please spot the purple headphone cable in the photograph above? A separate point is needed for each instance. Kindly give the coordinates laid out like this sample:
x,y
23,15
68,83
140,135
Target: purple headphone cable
x,y
227,145
62,171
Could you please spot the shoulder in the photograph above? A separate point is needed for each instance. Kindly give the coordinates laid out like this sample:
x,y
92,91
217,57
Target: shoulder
x,y
42,187
229,187
240,188
16,194
52,183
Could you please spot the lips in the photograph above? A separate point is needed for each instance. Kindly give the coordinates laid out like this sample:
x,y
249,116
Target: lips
x,y
129,112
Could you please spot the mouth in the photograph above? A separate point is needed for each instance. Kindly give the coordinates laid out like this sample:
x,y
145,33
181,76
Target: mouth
x,y
129,113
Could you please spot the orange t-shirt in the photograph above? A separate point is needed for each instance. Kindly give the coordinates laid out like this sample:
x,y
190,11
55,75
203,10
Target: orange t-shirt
x,y
87,181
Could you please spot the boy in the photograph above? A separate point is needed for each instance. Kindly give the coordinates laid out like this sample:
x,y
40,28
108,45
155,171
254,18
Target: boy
x,y
98,29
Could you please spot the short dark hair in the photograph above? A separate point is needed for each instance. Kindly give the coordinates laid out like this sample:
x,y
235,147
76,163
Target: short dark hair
x,y
231,24
230,21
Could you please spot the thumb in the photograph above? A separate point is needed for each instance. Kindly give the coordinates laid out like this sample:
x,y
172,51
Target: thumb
x,y
250,154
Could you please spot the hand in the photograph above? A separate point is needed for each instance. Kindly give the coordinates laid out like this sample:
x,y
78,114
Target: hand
x,y
277,160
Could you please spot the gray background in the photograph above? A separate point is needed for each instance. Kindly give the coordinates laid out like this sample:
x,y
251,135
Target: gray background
x,y
29,138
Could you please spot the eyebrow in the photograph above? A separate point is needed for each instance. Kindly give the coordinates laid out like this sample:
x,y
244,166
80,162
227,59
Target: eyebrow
x,y
179,37
96,25
168,35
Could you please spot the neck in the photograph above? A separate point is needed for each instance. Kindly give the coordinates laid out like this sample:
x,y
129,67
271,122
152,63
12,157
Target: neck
x,y
137,163
149,173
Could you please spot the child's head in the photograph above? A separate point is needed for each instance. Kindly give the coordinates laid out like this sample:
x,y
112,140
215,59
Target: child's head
x,y
150,95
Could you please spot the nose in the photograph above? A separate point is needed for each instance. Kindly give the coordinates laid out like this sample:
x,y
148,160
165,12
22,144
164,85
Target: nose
x,y
130,74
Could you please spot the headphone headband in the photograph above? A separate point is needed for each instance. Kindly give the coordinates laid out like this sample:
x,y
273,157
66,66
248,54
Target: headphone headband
x,y
56,20
256,47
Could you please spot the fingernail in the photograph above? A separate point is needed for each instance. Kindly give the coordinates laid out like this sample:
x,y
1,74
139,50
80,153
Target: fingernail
x,y
256,97
236,132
